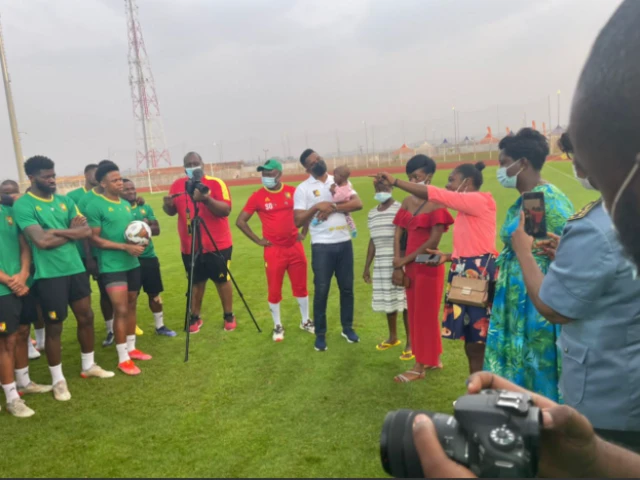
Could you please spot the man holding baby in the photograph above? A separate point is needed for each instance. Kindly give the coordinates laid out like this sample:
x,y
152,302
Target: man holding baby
x,y
331,233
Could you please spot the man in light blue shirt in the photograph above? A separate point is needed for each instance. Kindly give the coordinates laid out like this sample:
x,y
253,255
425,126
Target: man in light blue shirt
x,y
590,288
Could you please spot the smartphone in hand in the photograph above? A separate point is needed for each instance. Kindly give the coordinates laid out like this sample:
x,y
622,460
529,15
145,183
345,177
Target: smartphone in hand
x,y
535,223
428,258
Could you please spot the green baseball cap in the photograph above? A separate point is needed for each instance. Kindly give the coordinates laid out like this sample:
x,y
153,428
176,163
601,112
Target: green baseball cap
x,y
271,164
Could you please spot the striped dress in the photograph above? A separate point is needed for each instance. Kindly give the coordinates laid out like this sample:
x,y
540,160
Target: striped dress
x,y
387,298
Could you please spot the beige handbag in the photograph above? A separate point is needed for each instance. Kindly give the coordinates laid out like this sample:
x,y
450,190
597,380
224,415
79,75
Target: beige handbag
x,y
469,291
473,292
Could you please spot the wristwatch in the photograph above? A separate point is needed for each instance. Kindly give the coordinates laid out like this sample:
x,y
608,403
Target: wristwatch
x,y
335,207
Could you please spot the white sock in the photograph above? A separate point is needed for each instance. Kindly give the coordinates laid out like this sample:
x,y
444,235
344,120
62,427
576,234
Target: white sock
x,y
40,338
87,360
123,355
131,343
11,392
56,374
159,319
109,325
303,302
22,377
275,313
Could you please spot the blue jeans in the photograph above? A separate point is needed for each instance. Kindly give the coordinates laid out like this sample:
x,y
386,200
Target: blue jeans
x,y
328,259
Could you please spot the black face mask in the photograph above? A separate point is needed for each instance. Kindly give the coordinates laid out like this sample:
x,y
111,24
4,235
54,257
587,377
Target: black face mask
x,y
319,168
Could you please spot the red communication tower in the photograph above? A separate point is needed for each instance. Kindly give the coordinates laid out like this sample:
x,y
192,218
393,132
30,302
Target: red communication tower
x,y
151,151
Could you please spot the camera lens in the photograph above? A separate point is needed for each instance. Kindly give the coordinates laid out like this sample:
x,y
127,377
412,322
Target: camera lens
x,y
397,450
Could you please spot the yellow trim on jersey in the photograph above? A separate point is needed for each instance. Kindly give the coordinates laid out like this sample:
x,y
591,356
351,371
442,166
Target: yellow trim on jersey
x,y
275,191
223,187
109,200
40,198
84,189
78,211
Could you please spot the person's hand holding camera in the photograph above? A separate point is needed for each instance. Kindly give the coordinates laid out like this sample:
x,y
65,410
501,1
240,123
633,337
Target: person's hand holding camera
x,y
198,196
569,447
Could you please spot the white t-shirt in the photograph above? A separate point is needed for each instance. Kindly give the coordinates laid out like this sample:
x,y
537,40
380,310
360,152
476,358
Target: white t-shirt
x,y
309,193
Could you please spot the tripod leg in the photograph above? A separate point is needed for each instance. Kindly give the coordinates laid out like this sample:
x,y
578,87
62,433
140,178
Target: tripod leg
x,y
246,305
235,284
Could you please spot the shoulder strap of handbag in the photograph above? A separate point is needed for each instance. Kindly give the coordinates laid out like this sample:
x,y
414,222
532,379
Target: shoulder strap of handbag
x,y
420,207
485,276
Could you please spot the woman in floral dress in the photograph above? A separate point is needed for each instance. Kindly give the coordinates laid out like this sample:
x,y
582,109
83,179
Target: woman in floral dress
x,y
521,343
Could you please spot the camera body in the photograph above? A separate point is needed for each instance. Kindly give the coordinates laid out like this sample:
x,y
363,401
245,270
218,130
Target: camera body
x,y
195,183
494,434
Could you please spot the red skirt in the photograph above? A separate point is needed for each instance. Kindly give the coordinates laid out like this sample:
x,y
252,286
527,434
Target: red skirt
x,y
424,297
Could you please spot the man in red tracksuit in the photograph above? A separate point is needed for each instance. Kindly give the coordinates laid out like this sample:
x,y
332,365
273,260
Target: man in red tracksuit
x,y
283,249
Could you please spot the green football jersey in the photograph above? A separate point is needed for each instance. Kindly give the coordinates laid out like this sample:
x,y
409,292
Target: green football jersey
x,y
55,213
112,217
82,205
9,246
142,213
77,195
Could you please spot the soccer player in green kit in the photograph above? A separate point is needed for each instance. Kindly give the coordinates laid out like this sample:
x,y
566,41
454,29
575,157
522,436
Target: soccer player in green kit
x,y
108,216
151,277
52,224
15,263
77,196
90,255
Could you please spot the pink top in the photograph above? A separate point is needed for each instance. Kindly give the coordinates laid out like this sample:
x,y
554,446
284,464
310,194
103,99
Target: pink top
x,y
475,230
343,193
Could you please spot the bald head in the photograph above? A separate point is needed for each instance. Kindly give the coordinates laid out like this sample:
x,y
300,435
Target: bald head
x,y
605,120
193,160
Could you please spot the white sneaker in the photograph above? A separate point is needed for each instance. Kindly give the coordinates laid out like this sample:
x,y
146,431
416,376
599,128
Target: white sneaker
x,y
33,387
19,409
96,371
308,326
33,352
61,391
278,333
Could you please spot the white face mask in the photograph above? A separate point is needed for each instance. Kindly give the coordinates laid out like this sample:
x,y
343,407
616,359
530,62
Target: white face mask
x,y
583,181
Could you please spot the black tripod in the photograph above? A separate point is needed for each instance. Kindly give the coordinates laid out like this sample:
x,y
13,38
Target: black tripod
x,y
196,251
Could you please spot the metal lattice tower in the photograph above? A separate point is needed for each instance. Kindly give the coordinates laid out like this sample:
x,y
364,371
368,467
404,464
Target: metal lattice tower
x,y
151,150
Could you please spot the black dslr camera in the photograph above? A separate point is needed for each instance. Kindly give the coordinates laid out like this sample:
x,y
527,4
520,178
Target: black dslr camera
x,y
494,434
195,183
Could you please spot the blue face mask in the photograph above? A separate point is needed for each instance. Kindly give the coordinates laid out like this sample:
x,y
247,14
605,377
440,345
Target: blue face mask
x,y
505,180
382,197
190,171
269,182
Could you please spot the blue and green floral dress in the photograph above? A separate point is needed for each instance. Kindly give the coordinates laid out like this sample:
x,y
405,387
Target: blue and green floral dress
x,y
521,344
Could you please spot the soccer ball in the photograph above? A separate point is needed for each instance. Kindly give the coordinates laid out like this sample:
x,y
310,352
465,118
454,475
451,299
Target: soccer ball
x,y
138,233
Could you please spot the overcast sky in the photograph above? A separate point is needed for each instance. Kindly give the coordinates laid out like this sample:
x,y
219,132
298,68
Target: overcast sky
x,y
249,73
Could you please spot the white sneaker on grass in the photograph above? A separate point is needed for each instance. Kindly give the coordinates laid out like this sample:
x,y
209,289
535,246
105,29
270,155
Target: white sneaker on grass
x,y
61,391
278,333
19,409
33,388
33,352
308,326
96,371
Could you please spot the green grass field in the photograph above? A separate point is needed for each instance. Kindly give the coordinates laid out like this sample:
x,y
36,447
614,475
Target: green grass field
x,y
242,405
